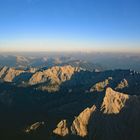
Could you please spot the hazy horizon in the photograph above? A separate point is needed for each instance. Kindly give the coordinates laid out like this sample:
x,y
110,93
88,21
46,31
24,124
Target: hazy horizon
x,y
63,46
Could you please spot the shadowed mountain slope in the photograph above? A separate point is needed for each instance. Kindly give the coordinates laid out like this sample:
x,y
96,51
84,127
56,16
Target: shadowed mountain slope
x,y
82,105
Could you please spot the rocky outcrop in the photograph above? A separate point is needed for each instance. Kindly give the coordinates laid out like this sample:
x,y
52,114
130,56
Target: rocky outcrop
x,y
80,124
67,77
100,86
113,102
50,79
53,75
117,117
62,128
3,71
8,74
34,127
122,84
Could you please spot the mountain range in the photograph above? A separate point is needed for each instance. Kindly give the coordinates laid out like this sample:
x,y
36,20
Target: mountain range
x,y
38,62
68,101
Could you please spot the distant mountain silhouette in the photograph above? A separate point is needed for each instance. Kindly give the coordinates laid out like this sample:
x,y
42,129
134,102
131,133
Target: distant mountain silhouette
x,y
27,62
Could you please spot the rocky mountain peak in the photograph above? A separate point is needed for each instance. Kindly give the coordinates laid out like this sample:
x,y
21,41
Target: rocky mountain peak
x,y
113,101
62,128
80,124
56,74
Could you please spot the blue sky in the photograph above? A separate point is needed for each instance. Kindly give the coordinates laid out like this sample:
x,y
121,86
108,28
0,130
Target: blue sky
x,y
69,23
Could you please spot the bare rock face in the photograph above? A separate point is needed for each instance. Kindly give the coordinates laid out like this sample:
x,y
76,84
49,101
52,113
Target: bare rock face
x,y
100,86
62,128
80,124
122,84
113,102
54,75
34,127
2,71
117,118
48,80
8,74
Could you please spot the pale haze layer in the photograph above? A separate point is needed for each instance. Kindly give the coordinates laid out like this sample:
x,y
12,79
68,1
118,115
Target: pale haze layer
x,y
70,25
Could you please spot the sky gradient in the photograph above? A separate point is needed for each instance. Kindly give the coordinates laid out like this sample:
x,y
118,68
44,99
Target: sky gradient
x,y
82,25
